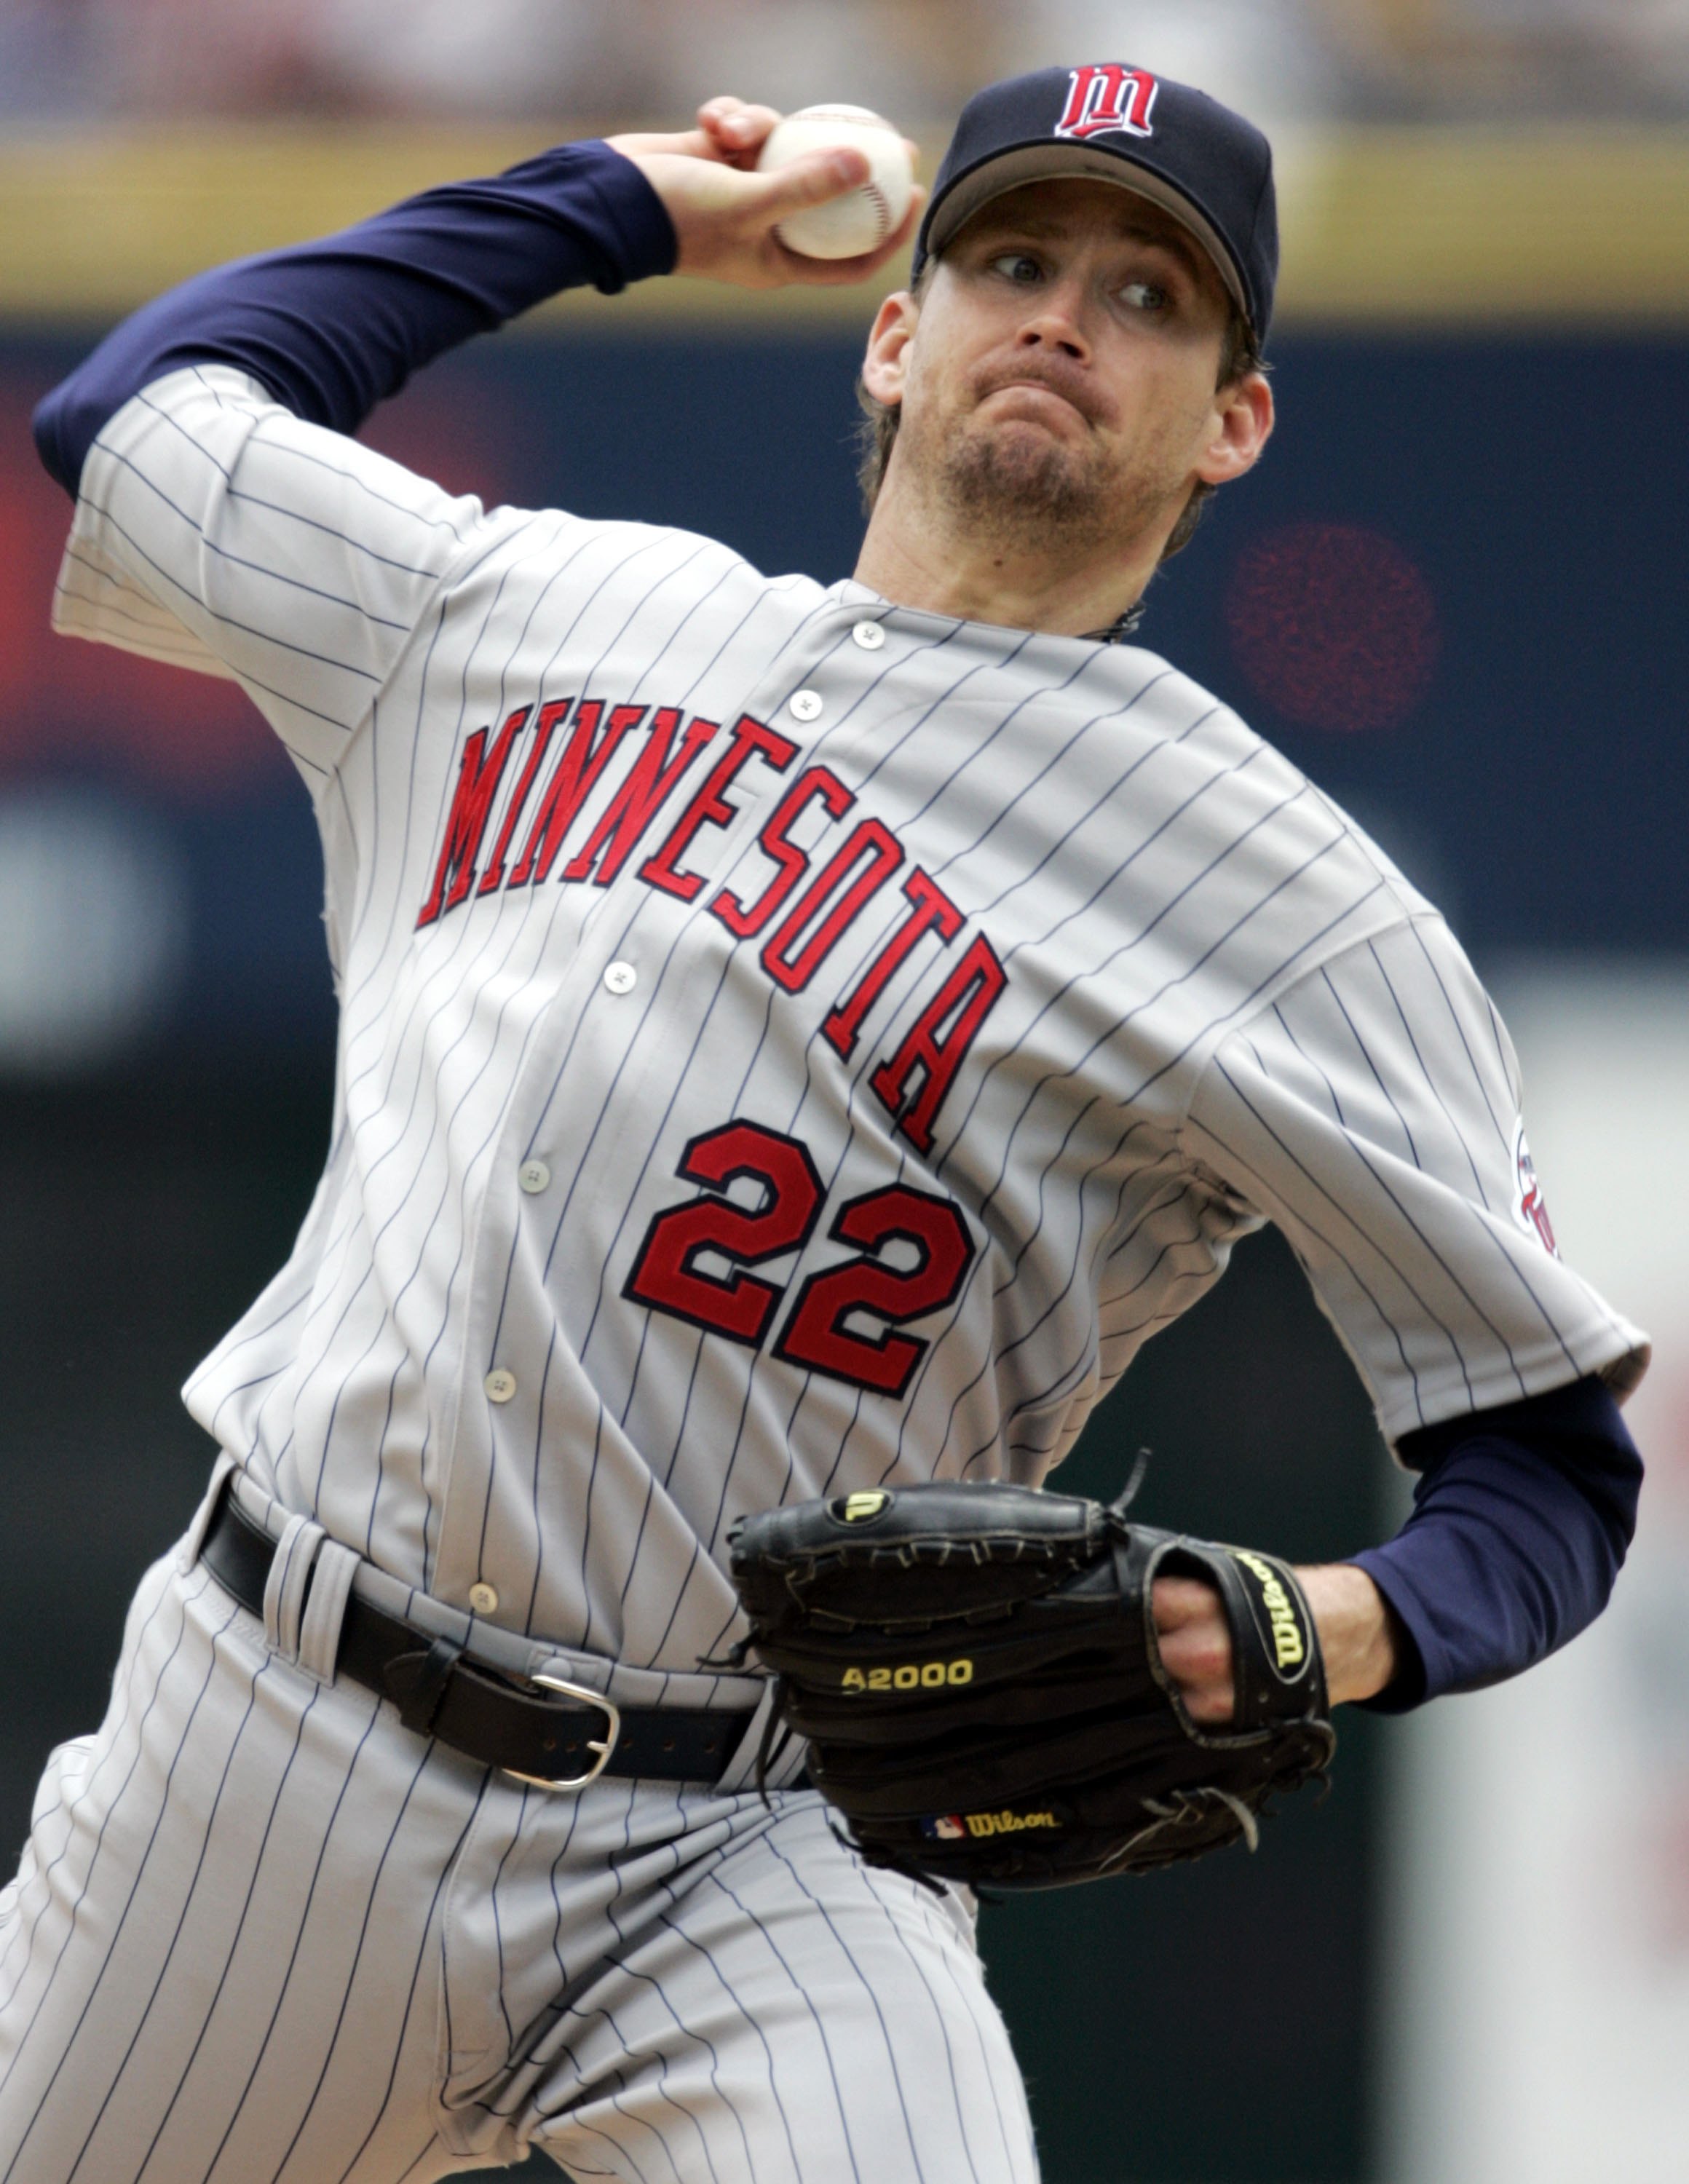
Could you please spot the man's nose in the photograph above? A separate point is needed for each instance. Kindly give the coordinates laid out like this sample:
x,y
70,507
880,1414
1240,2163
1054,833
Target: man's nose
x,y
1059,321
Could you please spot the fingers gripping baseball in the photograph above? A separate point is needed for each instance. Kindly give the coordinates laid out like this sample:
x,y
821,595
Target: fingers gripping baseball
x,y
1196,1645
725,213
737,131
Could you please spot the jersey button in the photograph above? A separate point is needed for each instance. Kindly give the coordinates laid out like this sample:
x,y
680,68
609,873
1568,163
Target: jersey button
x,y
869,635
621,978
533,1175
483,1598
499,1384
805,704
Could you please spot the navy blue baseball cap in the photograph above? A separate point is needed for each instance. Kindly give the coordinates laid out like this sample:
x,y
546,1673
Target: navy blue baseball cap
x,y
1207,166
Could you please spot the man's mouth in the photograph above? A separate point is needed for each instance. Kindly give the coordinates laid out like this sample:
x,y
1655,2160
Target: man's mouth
x,y
1039,383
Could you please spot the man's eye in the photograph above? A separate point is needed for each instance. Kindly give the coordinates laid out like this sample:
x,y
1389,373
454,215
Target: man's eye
x,y
1144,296
1018,265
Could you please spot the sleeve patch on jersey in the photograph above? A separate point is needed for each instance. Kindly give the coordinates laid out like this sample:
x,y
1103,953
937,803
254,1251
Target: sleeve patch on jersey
x,y
1530,1210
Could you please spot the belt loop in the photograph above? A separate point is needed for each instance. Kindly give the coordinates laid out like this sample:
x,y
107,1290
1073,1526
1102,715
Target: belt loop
x,y
416,1683
284,1590
325,1609
194,1539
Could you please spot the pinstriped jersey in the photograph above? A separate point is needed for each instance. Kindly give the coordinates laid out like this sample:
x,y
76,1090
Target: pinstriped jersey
x,y
788,1042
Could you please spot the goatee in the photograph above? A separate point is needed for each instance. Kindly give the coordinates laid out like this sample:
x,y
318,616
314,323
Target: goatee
x,y
1027,493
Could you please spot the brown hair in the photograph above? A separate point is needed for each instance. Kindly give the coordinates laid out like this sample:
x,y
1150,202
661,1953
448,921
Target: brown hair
x,y
876,435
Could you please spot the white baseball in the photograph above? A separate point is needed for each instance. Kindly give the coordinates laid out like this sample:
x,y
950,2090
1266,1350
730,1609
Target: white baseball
x,y
850,226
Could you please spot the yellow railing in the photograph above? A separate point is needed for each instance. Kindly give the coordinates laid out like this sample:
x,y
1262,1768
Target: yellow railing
x,y
1586,227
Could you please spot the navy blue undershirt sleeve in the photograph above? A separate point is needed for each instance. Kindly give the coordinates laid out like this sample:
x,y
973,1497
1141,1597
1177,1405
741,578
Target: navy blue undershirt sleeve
x,y
1521,1518
332,328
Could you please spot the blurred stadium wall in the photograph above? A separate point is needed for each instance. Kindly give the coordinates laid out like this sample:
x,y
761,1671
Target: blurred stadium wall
x,y
1453,593
1539,2015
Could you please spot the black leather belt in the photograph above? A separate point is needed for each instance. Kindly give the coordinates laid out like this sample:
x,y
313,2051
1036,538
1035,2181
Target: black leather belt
x,y
539,1729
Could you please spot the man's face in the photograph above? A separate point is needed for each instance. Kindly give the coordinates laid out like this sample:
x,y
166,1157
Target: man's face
x,y
1058,386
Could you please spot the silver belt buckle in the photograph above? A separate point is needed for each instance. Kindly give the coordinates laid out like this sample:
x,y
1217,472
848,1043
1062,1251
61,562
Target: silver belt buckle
x,y
603,1747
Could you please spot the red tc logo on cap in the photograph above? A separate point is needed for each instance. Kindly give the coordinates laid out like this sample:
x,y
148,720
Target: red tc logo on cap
x,y
1102,96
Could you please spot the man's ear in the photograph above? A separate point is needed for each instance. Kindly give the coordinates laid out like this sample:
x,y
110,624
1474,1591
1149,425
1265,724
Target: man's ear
x,y
1243,417
885,367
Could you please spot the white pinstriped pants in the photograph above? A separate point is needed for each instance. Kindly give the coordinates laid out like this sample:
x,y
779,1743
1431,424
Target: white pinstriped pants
x,y
262,1932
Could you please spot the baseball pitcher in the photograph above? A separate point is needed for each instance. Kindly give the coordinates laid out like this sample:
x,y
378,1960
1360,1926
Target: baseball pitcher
x,y
796,1043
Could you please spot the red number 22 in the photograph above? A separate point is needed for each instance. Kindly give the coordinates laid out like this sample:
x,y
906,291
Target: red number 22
x,y
818,1332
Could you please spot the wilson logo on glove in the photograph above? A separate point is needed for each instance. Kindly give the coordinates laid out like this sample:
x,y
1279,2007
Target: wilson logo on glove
x,y
1290,1647
953,1827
